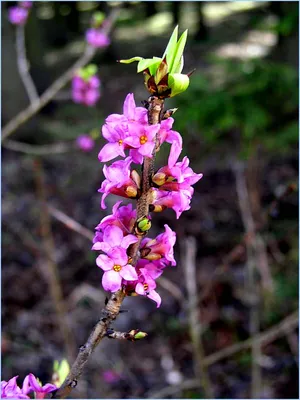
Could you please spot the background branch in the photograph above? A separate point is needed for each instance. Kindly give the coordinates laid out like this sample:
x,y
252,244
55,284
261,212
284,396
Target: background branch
x,y
23,65
285,326
189,264
48,95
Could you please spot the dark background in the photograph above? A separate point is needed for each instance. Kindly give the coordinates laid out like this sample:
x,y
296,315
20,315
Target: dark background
x,y
241,109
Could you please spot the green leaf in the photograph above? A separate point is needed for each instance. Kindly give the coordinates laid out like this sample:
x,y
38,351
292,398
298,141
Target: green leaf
x,y
178,83
178,52
130,60
171,47
177,69
151,63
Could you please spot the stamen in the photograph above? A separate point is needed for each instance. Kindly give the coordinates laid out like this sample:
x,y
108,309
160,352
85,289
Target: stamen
x,y
117,268
143,139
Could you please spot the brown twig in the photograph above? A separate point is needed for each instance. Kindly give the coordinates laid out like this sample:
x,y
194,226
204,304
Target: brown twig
x,y
112,308
52,269
285,326
189,263
48,95
23,65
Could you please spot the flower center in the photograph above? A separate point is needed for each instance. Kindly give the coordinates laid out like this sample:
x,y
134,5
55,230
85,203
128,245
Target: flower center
x,y
143,139
117,268
120,142
146,287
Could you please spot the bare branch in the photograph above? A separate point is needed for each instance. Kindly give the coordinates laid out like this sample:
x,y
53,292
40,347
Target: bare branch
x,y
254,323
52,269
22,63
189,263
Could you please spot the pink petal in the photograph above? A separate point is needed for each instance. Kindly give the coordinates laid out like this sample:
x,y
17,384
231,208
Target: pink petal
x,y
140,289
113,236
128,240
153,295
111,281
104,262
129,106
110,151
147,149
129,273
118,255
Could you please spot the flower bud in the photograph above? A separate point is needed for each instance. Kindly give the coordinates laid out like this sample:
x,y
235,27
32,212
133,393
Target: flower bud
x,y
162,76
135,176
144,224
136,334
153,256
159,178
131,191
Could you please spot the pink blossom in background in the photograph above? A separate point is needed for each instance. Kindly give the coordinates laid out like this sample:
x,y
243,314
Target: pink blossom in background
x,y
97,38
17,15
25,4
85,143
111,376
85,92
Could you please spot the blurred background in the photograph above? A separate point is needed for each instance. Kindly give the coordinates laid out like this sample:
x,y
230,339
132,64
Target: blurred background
x,y
234,335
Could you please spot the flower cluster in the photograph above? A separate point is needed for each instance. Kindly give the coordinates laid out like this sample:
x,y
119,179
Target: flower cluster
x,y
18,15
96,36
86,86
10,389
130,136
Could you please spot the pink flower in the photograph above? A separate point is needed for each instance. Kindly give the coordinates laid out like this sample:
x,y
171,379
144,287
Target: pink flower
x,y
146,285
161,246
177,177
123,217
97,38
17,15
84,91
178,201
131,113
10,390
85,142
113,237
32,384
115,266
118,180
116,146
172,137
142,139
